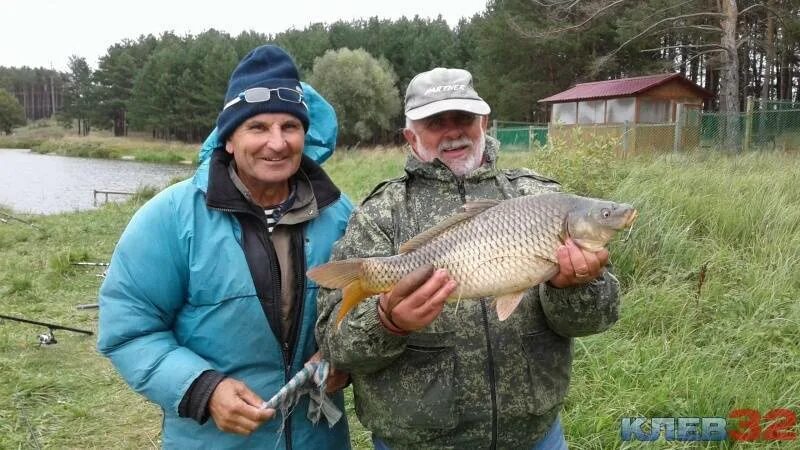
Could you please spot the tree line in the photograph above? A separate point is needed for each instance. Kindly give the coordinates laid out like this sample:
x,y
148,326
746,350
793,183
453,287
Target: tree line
x,y
518,50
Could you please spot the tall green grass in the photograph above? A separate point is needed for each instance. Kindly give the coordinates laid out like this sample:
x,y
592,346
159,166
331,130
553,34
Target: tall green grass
x,y
709,319
710,315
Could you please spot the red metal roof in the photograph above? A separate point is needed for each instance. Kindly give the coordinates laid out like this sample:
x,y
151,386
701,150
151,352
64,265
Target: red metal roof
x,y
623,87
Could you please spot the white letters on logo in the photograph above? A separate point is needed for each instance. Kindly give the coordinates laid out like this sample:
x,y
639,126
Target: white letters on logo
x,y
445,88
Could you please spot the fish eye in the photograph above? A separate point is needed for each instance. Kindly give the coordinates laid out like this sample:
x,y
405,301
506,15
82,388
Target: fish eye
x,y
606,213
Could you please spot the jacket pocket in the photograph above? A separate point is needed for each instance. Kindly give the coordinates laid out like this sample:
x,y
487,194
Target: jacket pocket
x,y
549,364
416,391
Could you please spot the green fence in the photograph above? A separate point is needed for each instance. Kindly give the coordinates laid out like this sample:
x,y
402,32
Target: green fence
x,y
519,136
765,125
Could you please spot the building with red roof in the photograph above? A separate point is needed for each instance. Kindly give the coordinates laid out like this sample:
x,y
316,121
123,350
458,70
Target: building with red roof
x,y
641,111
645,99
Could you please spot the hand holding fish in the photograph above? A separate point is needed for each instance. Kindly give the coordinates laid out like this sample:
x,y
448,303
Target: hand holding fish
x,y
577,266
416,300
237,409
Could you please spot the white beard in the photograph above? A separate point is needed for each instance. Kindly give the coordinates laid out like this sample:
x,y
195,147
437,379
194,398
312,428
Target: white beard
x,y
465,165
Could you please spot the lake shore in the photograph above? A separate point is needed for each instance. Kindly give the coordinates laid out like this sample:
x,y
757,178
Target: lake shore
x,y
47,184
49,138
129,149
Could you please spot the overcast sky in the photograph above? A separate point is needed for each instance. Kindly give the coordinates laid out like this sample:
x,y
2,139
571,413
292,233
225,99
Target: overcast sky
x,y
44,33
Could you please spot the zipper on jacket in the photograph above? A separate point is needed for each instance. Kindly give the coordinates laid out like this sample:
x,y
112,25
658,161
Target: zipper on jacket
x,y
299,261
274,269
275,274
490,370
290,345
462,191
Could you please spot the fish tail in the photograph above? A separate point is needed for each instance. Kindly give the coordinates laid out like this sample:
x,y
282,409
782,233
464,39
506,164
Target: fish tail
x,y
352,294
336,274
346,275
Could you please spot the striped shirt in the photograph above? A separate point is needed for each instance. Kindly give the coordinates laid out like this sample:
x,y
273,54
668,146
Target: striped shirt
x,y
273,216
274,213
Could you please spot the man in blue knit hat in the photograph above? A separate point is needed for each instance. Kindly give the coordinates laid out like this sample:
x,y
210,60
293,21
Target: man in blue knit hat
x,y
206,310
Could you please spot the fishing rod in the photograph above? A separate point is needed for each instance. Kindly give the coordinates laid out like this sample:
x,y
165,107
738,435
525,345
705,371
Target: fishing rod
x,y
46,338
9,216
93,264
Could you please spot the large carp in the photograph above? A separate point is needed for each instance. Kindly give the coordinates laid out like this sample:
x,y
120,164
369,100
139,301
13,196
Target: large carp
x,y
493,248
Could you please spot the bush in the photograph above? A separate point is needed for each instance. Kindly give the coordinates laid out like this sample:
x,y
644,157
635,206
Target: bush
x,y
11,113
362,91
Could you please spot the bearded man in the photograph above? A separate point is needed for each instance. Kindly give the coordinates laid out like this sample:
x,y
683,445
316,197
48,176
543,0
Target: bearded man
x,y
432,375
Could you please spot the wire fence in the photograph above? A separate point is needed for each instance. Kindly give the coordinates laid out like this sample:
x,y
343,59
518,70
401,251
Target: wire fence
x,y
519,136
764,126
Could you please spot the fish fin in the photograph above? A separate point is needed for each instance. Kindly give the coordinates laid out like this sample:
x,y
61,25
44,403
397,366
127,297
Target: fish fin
x,y
352,294
563,234
458,299
336,274
471,210
481,205
507,303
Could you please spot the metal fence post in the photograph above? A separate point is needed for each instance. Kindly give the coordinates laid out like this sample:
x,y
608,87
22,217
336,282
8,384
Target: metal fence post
x,y
748,123
531,137
625,130
676,144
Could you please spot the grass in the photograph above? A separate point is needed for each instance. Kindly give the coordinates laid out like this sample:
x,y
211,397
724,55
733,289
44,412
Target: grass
x,y
689,344
65,396
708,323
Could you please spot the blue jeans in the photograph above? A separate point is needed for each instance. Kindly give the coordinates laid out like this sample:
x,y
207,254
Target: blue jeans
x,y
553,440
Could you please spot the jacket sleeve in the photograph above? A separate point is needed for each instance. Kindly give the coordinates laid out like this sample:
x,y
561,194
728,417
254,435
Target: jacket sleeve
x,y
139,300
361,344
581,310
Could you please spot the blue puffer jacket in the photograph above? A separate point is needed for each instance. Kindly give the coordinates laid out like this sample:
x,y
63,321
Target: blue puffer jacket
x,y
179,300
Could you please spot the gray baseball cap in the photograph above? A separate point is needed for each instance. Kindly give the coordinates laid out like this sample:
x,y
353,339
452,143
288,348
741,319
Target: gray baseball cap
x,y
440,90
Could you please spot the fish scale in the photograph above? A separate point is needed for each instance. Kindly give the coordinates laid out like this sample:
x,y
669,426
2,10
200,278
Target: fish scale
x,y
493,248
470,250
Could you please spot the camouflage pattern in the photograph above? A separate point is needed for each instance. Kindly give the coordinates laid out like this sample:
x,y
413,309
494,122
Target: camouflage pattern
x,y
467,380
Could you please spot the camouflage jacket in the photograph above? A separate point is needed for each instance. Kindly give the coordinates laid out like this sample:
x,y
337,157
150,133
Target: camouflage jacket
x,y
467,380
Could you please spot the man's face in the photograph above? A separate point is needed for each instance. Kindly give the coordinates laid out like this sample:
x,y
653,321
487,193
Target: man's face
x,y
455,137
267,148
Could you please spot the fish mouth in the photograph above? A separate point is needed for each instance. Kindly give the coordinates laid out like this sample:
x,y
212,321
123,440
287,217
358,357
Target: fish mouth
x,y
630,217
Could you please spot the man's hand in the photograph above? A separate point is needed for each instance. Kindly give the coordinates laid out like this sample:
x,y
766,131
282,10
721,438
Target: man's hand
x,y
577,266
237,409
336,378
416,300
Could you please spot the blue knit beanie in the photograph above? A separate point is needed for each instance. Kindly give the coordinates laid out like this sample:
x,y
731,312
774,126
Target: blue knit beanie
x,y
267,67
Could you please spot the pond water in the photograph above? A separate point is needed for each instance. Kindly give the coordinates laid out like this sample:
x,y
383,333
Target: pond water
x,y
47,184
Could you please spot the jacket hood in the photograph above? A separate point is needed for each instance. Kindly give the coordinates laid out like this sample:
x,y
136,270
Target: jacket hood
x,y
437,170
320,139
